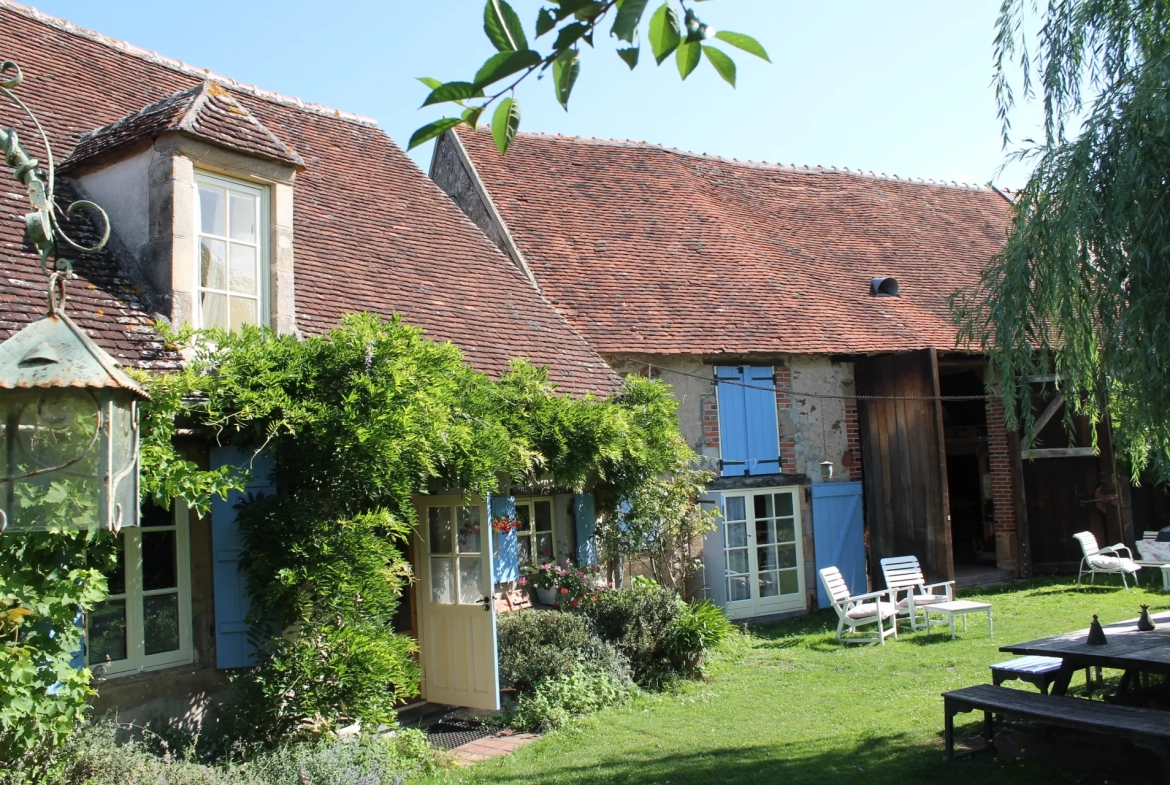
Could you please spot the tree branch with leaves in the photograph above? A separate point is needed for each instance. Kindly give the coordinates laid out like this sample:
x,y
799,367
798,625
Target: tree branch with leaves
x,y
674,28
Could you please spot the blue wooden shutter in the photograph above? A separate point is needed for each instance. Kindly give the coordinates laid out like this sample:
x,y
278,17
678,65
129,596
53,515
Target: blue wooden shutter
x,y
837,534
748,434
585,515
232,647
506,556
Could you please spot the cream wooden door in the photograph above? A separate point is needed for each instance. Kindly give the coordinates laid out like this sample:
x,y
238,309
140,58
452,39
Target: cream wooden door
x,y
457,618
762,542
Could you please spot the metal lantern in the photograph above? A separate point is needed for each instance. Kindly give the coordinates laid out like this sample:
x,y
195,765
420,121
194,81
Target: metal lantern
x,y
68,429
68,414
826,470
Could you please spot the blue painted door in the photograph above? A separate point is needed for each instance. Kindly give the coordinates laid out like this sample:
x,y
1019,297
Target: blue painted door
x,y
232,647
748,434
838,534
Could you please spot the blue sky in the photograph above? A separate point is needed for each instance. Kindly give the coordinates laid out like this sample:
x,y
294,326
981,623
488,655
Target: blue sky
x,y
897,87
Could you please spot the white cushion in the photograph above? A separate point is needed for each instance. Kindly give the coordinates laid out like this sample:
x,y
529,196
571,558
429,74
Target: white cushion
x,y
1115,563
921,600
1152,550
867,610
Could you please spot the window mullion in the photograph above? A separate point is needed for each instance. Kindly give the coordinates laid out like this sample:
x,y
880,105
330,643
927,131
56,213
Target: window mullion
x,y
135,625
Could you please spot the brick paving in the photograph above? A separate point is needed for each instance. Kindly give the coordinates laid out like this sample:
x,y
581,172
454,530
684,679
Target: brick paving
x,y
503,743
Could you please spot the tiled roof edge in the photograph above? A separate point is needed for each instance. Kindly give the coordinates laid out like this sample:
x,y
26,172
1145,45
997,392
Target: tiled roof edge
x,y
893,178
177,65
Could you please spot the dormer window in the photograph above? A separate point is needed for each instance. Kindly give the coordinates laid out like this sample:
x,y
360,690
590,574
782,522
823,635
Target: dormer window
x,y
232,253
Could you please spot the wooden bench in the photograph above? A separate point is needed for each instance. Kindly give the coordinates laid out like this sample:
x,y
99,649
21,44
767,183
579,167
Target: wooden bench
x,y
1144,727
1035,670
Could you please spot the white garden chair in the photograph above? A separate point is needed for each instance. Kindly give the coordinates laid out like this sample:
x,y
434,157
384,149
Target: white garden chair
x,y
859,611
1108,561
904,575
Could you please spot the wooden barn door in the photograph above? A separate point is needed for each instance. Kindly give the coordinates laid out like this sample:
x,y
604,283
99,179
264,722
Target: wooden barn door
x,y
905,486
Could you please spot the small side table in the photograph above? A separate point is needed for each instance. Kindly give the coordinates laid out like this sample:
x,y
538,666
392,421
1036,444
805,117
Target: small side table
x,y
1163,567
959,608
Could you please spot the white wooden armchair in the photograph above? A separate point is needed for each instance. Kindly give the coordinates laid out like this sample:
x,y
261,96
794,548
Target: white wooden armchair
x,y
1111,560
904,576
860,610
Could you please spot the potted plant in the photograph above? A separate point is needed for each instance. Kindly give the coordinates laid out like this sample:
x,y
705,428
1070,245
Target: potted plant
x,y
545,578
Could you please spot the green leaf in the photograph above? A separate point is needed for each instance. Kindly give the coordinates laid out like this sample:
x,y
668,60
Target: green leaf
x,y
453,91
565,70
723,64
471,117
504,64
503,27
625,26
744,42
505,123
431,130
545,20
630,55
687,57
664,32
569,35
430,82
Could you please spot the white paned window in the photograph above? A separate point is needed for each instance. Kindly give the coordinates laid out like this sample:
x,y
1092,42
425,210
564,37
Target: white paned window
x,y
535,531
232,253
145,623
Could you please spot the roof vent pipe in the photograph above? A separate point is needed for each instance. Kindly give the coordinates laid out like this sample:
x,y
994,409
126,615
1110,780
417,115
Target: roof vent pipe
x,y
883,287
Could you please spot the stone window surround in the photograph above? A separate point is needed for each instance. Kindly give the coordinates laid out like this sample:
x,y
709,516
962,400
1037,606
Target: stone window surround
x,y
170,258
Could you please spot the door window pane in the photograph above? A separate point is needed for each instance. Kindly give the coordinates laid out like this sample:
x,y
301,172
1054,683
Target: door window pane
x,y
442,581
766,558
783,504
769,584
107,632
738,588
787,555
785,530
737,561
243,312
439,521
470,580
544,547
524,517
215,310
789,582
469,530
764,533
524,548
159,560
243,217
763,505
736,509
736,535
160,614
211,210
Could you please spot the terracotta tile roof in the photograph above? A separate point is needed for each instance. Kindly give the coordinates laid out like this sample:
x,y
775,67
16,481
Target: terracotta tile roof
x,y
653,250
372,232
207,111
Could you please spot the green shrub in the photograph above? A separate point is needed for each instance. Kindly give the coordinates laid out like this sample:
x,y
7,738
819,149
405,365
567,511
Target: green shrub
x,y
637,622
701,627
558,699
93,757
538,645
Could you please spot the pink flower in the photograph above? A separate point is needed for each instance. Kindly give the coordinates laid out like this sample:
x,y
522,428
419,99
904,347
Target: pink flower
x,y
522,581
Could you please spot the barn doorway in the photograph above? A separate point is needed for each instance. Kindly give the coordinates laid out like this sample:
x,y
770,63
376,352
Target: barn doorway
x,y
968,467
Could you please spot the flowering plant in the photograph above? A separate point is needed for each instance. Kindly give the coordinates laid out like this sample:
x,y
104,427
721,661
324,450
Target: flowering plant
x,y
503,524
544,576
574,585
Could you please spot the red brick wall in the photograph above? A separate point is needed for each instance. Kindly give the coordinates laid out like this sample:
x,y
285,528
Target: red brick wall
x,y
1001,468
710,422
853,441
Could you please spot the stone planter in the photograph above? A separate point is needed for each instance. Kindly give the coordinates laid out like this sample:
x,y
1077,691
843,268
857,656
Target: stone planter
x,y
546,596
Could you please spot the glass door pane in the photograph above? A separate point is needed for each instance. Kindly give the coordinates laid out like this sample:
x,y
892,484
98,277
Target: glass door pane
x,y
735,534
440,545
470,556
787,547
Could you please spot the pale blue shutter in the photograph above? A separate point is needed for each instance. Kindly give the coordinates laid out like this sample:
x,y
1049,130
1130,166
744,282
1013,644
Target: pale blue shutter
x,y
585,515
838,536
748,434
232,647
506,556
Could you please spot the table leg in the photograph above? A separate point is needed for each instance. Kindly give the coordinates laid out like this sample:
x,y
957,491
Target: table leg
x,y
953,626
1126,678
990,625
964,622
1063,677
948,729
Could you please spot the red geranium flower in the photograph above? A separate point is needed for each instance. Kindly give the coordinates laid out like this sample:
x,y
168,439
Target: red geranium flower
x,y
575,603
564,591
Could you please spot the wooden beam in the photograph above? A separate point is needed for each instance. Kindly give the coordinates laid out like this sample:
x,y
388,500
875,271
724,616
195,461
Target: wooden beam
x,y
1049,412
1059,452
1042,378
942,466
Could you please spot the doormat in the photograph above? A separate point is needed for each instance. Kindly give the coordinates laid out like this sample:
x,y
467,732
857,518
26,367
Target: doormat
x,y
449,734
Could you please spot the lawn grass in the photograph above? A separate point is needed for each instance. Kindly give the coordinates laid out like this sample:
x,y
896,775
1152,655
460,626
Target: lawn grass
x,y
786,703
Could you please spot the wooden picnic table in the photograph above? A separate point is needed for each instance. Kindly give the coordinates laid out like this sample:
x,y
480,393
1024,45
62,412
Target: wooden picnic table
x,y
1128,650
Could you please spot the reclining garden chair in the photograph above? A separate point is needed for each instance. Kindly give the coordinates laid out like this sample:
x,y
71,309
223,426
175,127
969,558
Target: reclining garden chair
x,y
1108,561
903,574
859,611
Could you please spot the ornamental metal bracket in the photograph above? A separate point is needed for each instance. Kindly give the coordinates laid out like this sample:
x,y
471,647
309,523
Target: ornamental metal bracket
x,y
43,224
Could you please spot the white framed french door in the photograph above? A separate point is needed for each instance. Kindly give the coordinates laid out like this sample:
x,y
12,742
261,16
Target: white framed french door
x,y
762,547
457,617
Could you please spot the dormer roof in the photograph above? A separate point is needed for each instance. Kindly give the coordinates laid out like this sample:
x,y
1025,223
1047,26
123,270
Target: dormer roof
x,y
207,112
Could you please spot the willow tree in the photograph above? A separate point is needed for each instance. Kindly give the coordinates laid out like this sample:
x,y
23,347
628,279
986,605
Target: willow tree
x,y
1082,286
